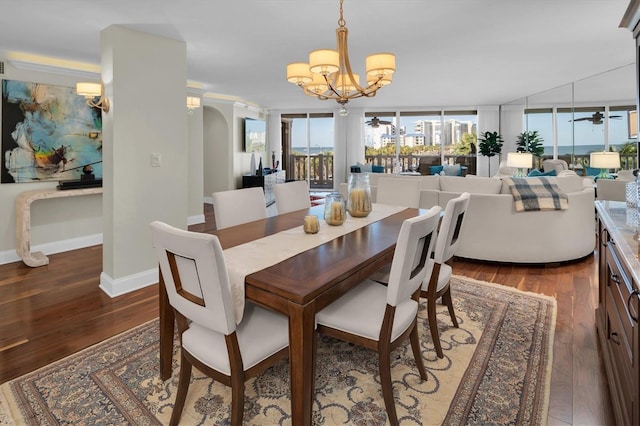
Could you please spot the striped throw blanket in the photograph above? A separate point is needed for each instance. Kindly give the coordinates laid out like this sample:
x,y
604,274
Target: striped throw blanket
x,y
536,193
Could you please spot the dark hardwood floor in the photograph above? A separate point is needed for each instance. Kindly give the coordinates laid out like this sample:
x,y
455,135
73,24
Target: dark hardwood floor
x,y
50,312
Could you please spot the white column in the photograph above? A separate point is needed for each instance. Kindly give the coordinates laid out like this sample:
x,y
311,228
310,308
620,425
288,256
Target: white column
x,y
145,80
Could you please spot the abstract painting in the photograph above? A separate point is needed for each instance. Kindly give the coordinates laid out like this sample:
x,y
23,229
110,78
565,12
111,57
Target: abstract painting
x,y
48,133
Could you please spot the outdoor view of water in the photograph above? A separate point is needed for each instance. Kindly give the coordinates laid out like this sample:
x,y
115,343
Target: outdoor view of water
x,y
578,149
313,150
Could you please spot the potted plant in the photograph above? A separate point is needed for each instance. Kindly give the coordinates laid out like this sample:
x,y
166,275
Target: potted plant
x,y
490,144
530,141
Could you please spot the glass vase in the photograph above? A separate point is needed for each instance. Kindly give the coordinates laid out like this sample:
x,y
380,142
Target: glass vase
x,y
334,209
359,195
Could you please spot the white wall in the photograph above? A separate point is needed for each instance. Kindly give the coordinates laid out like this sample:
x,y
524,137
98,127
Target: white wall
x,y
225,159
56,224
218,155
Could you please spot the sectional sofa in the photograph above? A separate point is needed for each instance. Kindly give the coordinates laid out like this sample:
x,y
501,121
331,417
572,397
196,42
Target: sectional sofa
x,y
494,231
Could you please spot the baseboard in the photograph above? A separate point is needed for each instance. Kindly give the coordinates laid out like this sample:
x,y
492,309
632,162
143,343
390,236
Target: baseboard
x,y
193,220
9,256
119,286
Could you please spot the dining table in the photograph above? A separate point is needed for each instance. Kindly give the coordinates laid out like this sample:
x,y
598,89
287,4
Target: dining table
x,y
300,286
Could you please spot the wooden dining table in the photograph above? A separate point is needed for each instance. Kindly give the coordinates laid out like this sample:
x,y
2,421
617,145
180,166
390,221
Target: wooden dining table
x,y
299,287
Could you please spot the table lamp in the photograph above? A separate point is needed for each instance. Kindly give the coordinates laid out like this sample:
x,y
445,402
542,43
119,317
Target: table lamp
x,y
604,161
520,160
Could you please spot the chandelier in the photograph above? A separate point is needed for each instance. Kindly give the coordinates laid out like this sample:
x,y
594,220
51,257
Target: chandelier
x,y
328,75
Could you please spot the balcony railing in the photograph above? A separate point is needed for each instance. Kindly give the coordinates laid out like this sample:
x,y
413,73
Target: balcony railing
x,y
320,166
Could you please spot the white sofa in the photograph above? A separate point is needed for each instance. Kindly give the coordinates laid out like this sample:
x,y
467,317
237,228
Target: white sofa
x,y
494,231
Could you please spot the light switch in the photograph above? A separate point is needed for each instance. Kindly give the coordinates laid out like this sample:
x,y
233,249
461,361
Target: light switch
x,y
156,159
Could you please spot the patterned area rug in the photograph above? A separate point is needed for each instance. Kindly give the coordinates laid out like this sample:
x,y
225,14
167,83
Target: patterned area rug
x,y
496,370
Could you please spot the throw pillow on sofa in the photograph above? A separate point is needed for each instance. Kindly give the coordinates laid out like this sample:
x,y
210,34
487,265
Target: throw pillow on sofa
x,y
454,170
591,171
536,172
377,169
364,168
435,170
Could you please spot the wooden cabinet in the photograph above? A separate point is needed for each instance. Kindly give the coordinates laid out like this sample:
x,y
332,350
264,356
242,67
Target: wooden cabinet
x,y
266,182
619,306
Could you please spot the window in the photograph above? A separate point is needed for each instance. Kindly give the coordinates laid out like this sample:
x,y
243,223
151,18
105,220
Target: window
x,y
310,148
409,139
541,119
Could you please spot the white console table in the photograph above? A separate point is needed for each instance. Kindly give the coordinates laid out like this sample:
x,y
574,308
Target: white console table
x,y
23,220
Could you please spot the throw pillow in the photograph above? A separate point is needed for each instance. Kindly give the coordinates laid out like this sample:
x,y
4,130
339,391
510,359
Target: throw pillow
x,y
592,171
377,169
452,170
365,168
536,172
435,170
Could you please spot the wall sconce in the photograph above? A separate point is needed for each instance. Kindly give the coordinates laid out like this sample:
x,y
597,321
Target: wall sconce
x,y
604,161
91,91
192,104
520,160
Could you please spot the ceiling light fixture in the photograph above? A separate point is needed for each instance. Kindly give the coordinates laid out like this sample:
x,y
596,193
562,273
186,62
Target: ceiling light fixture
x,y
91,91
328,75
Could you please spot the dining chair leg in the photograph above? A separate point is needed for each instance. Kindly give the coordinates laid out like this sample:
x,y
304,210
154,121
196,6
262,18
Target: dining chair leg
x,y
183,387
415,346
433,326
237,401
447,300
387,389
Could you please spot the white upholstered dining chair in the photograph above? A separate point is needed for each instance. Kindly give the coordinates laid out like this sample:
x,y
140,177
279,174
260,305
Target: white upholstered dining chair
x,y
381,317
292,196
238,206
438,284
197,284
398,191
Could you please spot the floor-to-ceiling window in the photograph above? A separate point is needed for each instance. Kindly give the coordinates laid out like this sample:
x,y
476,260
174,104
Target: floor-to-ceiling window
x,y
310,148
623,134
541,119
410,141
579,131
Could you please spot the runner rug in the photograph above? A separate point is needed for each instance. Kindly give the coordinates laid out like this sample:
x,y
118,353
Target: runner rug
x,y
496,370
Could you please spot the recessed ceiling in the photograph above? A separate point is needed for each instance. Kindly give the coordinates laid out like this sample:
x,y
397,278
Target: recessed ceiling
x,y
448,52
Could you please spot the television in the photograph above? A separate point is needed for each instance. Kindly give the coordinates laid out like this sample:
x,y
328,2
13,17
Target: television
x,y
255,135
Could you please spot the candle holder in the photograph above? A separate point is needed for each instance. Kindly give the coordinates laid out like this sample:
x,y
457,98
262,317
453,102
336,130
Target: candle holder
x,y
359,195
334,209
311,224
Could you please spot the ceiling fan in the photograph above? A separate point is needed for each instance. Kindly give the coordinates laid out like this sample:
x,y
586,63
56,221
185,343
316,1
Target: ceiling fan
x,y
596,118
376,122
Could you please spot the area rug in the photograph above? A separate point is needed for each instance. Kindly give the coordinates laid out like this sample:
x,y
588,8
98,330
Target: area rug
x,y
496,370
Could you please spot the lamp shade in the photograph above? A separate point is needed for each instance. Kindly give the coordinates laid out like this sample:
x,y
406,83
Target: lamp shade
x,y
343,82
193,102
317,85
324,61
386,79
298,73
521,160
380,64
89,90
605,160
